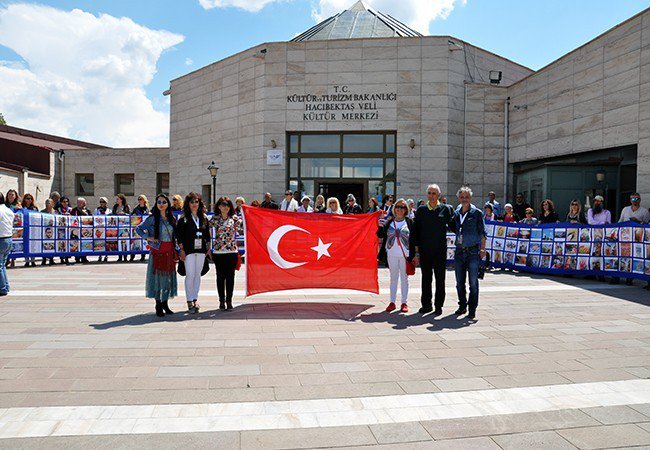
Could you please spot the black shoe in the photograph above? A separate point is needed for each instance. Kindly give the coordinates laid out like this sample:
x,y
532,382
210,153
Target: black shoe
x,y
222,304
165,307
132,258
159,310
228,304
425,310
628,281
2,294
461,311
437,312
647,287
471,316
614,281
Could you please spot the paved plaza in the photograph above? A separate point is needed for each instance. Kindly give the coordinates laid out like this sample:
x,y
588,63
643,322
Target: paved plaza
x,y
550,363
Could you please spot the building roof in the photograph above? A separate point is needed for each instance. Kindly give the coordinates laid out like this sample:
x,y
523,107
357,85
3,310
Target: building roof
x,y
34,138
357,22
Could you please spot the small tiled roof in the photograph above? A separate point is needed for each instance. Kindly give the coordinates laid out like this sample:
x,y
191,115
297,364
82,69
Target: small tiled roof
x,y
357,22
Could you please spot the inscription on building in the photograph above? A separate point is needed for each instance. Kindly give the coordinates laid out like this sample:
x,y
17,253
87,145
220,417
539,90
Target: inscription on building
x,y
342,104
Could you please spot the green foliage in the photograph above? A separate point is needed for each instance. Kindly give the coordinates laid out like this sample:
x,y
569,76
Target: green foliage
x,y
2,120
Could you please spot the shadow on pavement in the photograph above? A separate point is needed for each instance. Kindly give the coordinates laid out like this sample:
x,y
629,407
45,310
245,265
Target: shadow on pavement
x,y
270,311
402,321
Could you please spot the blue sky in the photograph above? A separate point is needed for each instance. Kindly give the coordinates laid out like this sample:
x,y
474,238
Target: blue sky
x,y
532,33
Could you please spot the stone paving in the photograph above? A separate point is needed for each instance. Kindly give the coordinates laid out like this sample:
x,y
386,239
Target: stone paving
x,y
85,336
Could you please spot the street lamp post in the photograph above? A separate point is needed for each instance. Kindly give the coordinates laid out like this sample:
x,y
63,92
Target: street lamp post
x,y
213,169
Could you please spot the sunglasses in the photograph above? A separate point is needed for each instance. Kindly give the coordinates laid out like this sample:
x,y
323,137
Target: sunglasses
x,y
528,213
224,204
400,207
193,201
332,203
635,199
102,201
162,202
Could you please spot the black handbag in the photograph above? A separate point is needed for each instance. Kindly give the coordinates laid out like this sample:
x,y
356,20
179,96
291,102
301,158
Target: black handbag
x,y
181,267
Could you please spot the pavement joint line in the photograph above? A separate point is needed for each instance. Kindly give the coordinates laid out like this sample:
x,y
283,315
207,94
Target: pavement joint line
x,y
329,412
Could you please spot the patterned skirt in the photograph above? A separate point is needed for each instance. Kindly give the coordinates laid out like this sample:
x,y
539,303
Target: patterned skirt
x,y
161,273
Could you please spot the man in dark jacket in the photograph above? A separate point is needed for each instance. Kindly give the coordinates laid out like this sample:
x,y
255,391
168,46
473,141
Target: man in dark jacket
x,y
430,247
351,206
268,202
520,205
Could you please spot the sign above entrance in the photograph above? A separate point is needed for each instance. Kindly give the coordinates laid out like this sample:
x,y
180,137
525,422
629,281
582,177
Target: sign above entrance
x,y
341,104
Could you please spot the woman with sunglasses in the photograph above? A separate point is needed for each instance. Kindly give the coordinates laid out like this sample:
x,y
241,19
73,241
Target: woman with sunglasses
x,y
530,218
225,250
28,205
64,209
333,206
159,231
319,204
575,214
142,209
395,252
193,237
102,210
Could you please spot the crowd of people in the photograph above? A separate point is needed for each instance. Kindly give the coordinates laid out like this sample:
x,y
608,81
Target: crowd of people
x,y
412,234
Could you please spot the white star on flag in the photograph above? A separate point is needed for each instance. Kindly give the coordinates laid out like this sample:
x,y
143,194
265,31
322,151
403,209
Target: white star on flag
x,y
322,249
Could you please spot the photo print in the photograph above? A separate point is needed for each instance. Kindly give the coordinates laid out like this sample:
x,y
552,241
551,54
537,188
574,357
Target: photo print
x,y
61,221
625,265
498,244
536,234
597,234
547,248
35,233
611,234
637,251
547,234
570,263
500,231
558,262
534,247
136,220
87,233
637,266
111,221
585,235
99,246
451,240
511,245
124,246
611,264
497,257
18,220
625,249
62,246
572,234
17,233
124,221
136,245
74,246
638,234
48,220
100,221
111,233
596,263
62,233
523,247
625,234
646,270
533,261
611,249
583,263
559,234
87,221
545,262
513,232
100,233
111,246
584,248
124,233
87,246
597,249
520,260
75,233
509,258
524,233
48,246
450,253
558,248
571,249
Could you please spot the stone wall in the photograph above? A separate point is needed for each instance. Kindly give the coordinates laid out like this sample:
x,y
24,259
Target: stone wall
x,y
27,182
145,163
596,97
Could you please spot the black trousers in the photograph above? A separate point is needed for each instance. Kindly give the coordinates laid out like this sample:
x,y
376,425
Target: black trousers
x,y
433,262
224,264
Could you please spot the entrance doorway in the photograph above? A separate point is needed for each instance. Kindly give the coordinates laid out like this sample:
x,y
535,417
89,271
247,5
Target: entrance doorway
x,y
341,190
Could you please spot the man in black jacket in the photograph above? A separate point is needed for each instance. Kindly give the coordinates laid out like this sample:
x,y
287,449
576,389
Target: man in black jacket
x,y
429,239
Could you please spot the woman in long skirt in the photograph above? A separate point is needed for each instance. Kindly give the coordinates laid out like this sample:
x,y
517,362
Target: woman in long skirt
x,y
159,231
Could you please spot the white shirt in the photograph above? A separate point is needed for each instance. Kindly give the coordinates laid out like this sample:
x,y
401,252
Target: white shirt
x,y
392,247
291,206
302,209
641,214
6,222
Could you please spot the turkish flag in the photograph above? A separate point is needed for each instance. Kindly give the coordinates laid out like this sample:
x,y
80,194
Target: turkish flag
x,y
291,250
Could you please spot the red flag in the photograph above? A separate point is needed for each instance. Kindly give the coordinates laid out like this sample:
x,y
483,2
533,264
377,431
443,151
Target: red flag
x,y
290,250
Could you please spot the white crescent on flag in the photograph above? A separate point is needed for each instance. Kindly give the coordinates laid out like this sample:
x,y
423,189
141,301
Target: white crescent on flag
x,y
273,243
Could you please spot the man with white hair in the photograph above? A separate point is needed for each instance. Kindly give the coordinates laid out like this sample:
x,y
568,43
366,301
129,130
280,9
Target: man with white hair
x,y
470,248
429,239
351,206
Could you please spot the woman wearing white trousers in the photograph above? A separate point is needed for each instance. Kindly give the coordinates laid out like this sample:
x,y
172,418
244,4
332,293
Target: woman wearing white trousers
x,y
193,237
396,252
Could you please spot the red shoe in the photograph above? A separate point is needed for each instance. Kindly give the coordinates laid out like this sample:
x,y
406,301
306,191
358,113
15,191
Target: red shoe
x,y
391,307
404,308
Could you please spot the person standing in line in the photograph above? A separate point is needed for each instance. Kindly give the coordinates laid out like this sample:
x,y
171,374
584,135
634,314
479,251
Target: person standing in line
x,y
289,203
520,205
634,213
56,198
351,206
64,209
411,203
469,226
143,209
6,232
193,237
239,202
159,231
268,202
387,207
548,214
80,210
177,204
319,205
510,215
597,215
373,205
396,251
225,252
102,210
13,200
489,212
496,206
304,207
333,206
121,208
429,239
28,205
575,214
529,218
49,209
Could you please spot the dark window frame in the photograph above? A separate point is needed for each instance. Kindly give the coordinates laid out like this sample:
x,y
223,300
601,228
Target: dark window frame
x,y
117,186
77,185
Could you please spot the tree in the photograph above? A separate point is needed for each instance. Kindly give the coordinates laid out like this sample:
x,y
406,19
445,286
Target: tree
x,y
2,120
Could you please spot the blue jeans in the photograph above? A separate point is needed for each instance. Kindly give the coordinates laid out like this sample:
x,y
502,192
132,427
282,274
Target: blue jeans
x,y
466,261
5,248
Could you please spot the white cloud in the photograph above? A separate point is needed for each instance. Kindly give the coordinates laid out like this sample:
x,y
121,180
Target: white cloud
x,y
188,61
83,76
418,14
247,5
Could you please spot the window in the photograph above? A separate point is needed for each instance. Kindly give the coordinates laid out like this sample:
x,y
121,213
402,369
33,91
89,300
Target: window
x,y
206,193
320,168
162,183
84,184
363,168
320,143
125,184
363,143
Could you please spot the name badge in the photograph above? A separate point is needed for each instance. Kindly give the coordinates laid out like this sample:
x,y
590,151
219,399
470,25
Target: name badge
x,y
459,240
197,244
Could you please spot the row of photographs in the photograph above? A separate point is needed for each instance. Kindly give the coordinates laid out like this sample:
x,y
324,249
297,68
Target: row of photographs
x,y
48,220
579,263
122,245
608,234
625,249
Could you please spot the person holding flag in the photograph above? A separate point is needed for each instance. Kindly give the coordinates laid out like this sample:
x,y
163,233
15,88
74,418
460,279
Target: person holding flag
x,y
470,248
